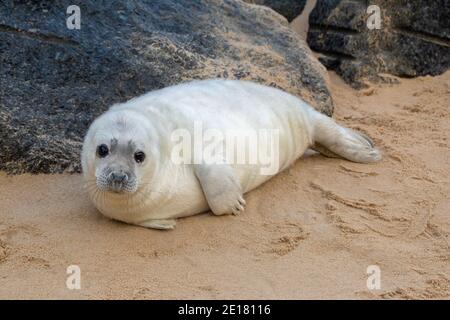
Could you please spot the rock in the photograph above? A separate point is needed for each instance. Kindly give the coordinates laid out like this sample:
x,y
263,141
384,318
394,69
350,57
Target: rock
x,y
54,81
414,39
289,9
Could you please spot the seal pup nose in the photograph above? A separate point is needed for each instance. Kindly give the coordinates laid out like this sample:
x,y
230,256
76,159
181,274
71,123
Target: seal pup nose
x,y
118,177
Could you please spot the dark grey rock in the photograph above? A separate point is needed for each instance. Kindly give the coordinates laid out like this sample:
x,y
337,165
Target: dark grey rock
x,y
414,39
55,81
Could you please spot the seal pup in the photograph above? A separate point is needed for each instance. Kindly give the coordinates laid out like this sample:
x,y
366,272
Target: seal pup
x,y
128,161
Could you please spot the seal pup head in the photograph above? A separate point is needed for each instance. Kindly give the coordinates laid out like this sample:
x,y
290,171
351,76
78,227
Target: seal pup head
x,y
119,153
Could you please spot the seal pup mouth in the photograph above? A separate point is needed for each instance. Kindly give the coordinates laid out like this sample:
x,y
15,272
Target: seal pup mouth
x,y
120,188
116,187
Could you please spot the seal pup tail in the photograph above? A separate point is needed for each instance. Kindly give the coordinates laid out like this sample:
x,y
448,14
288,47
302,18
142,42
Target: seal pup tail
x,y
333,140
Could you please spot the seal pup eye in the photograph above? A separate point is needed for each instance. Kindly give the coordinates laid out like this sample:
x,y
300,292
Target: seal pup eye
x,y
139,156
102,150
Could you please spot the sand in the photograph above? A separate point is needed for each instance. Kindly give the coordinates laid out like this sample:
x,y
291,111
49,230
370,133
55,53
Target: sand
x,y
301,23
311,232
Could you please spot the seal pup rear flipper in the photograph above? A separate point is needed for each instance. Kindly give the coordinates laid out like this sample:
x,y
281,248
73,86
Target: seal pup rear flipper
x,y
333,140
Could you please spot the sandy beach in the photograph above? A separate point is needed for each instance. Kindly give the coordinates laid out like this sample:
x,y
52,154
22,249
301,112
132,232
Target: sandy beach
x,y
311,232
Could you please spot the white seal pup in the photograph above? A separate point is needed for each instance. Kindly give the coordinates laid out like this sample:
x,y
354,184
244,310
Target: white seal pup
x,y
130,156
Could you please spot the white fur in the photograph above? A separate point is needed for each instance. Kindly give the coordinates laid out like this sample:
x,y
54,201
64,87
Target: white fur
x,y
169,191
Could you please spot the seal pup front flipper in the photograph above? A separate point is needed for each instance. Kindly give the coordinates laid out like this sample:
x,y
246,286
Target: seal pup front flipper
x,y
221,188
